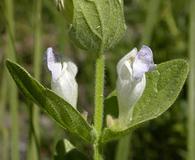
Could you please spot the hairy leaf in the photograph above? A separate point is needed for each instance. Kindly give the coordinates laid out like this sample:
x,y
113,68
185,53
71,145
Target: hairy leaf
x,y
95,24
61,111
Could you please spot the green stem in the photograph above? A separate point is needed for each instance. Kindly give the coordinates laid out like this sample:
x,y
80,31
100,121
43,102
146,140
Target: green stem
x,y
191,112
3,129
37,54
99,99
33,153
12,87
13,94
5,146
3,98
169,19
151,18
37,39
60,25
123,148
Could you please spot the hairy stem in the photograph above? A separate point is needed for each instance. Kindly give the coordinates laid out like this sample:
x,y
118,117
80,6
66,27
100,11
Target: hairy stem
x,y
99,98
191,112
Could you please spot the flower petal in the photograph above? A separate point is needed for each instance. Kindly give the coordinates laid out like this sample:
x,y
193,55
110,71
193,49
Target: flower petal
x,y
63,77
72,68
53,65
66,86
128,93
128,57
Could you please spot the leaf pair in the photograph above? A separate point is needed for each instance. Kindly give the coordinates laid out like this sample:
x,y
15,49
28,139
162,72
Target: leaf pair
x,y
163,86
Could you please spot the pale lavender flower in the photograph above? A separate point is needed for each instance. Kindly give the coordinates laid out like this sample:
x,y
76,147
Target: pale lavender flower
x,y
63,77
131,80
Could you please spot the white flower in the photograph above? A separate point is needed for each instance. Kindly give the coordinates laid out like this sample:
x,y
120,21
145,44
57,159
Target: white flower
x,y
131,80
63,77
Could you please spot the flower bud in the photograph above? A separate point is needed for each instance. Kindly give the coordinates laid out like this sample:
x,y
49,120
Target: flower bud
x,y
63,77
131,80
96,24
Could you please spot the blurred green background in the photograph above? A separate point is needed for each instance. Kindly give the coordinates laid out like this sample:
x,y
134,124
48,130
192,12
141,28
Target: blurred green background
x,y
161,24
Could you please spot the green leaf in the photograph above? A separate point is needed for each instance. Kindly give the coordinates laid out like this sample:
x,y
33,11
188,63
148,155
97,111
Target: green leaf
x,y
96,24
162,88
61,111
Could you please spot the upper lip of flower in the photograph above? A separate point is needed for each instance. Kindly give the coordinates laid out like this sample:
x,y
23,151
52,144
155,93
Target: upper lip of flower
x,y
63,77
53,64
129,57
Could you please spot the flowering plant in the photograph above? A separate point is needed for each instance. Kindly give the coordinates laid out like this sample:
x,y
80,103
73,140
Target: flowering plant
x,y
143,90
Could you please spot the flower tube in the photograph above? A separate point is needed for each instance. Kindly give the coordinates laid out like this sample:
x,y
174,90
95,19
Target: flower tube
x,y
131,80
